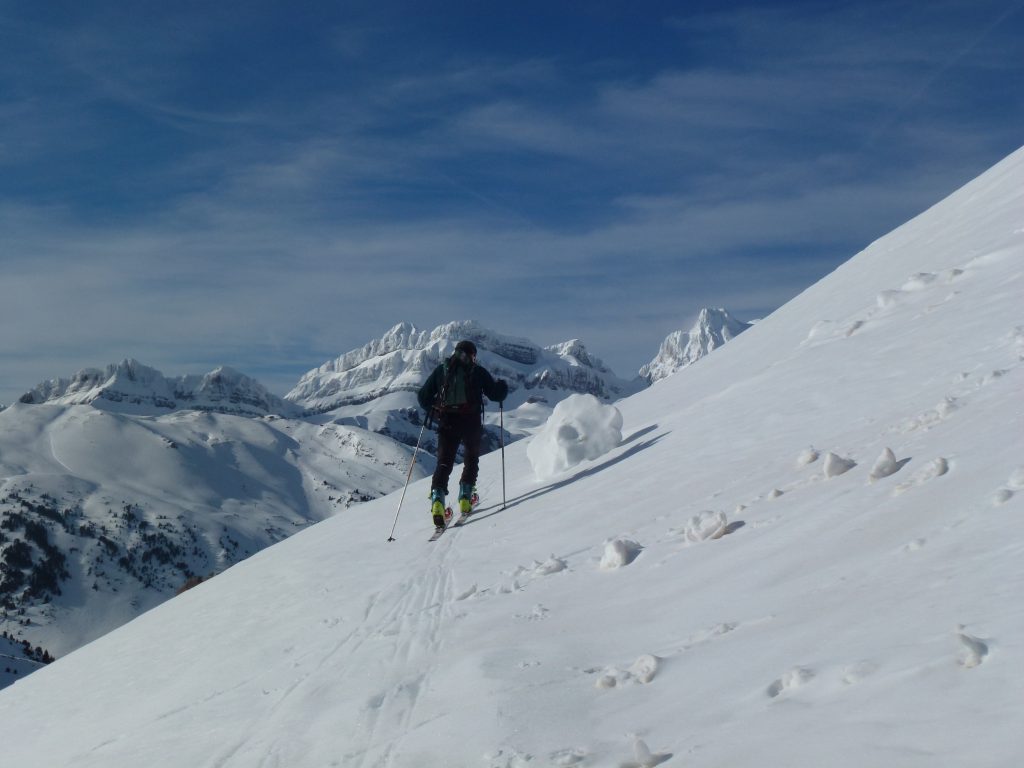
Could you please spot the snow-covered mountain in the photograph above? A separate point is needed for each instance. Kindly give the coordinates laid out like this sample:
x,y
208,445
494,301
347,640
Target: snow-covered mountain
x,y
104,515
119,485
374,387
131,387
713,328
806,551
19,658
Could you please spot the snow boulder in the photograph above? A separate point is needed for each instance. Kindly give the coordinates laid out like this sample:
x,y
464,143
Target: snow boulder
x,y
619,552
704,527
836,465
580,428
885,465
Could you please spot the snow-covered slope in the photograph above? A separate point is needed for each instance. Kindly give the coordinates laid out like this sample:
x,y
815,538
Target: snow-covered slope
x,y
374,387
857,607
19,658
104,515
713,328
131,387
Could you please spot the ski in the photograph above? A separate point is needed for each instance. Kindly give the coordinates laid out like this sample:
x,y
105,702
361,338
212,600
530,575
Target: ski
x,y
448,514
441,529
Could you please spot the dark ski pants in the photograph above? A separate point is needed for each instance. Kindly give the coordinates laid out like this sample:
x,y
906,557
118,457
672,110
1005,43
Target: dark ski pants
x,y
453,429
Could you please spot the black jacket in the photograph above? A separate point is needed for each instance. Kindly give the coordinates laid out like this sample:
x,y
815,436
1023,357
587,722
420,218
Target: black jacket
x,y
478,383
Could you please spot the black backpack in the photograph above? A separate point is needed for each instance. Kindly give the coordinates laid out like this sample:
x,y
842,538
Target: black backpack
x,y
455,391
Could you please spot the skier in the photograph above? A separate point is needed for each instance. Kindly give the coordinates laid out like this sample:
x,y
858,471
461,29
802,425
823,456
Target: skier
x,y
453,394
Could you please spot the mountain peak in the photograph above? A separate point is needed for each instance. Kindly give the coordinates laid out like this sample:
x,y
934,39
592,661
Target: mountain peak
x,y
402,359
713,328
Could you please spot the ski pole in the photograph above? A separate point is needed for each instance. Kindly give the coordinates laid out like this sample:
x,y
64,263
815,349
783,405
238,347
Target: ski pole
x,y
408,477
501,418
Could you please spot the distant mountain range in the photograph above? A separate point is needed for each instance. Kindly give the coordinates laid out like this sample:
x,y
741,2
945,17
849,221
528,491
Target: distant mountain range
x,y
120,485
131,387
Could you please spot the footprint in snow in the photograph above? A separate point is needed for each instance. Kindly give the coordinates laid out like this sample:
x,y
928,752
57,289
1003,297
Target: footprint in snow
x,y
1014,483
467,594
551,565
973,650
1001,496
929,418
794,678
508,758
1016,338
935,468
854,673
994,376
642,671
853,328
567,757
539,613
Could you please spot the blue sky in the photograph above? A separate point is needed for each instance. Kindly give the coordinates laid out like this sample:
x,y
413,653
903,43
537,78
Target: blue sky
x,y
268,185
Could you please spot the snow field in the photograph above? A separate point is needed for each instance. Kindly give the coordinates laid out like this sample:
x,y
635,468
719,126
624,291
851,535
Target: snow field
x,y
840,619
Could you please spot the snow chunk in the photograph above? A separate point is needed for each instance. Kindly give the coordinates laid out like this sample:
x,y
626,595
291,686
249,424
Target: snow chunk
x,y
644,757
551,565
836,465
645,668
581,427
619,552
885,465
704,526
807,456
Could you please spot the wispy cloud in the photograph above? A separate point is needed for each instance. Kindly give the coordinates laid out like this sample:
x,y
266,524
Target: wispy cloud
x,y
196,193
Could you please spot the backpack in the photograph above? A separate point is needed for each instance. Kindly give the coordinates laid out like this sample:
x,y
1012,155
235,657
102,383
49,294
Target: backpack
x,y
454,394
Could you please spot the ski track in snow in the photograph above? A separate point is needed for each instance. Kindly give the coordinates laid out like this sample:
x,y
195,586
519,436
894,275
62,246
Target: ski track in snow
x,y
415,623
412,626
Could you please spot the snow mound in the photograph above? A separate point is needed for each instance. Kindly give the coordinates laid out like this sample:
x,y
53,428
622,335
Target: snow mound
x,y
580,428
619,553
836,465
885,465
704,527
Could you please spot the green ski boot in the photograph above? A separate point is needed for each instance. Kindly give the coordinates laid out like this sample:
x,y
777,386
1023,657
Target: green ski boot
x,y
467,498
437,508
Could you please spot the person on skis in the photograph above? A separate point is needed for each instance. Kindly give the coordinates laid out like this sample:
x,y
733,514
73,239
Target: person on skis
x,y
453,395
